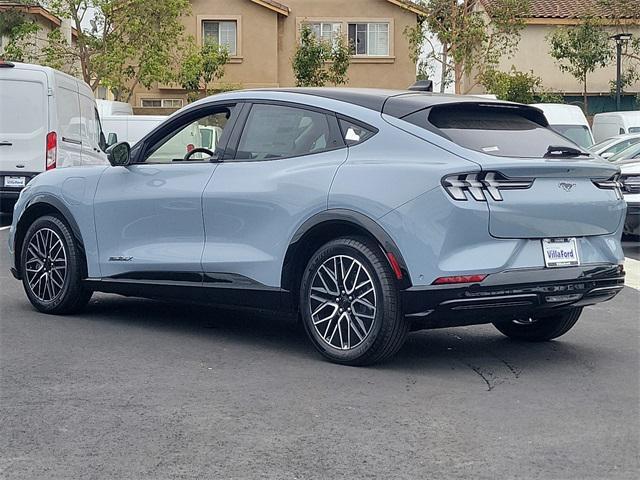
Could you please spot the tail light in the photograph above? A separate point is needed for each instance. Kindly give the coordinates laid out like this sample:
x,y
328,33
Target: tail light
x,y
479,185
612,183
630,183
52,150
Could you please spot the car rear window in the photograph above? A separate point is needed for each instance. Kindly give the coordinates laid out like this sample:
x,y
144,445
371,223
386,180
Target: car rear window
x,y
494,130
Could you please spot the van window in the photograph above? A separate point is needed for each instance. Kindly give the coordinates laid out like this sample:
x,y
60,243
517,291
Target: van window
x,y
69,118
494,130
634,129
91,132
22,110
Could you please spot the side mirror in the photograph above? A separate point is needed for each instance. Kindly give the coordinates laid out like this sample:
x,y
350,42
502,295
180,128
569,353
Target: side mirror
x,y
112,139
606,155
119,155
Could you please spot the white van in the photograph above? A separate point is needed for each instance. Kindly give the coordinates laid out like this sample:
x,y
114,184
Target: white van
x,y
611,124
48,119
129,128
111,107
569,121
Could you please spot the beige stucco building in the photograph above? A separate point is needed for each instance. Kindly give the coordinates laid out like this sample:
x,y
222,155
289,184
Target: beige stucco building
x,y
533,51
262,35
44,19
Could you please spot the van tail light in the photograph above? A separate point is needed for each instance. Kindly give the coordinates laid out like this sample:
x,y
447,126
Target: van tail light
x,y
482,185
52,150
459,279
612,183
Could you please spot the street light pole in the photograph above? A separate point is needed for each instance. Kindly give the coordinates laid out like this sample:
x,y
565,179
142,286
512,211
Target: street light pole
x,y
620,39
618,75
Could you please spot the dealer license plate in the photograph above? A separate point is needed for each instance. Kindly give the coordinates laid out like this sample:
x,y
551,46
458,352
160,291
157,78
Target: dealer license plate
x,y
560,252
14,181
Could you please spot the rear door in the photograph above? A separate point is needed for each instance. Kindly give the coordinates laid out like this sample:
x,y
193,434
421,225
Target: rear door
x,y
24,121
279,176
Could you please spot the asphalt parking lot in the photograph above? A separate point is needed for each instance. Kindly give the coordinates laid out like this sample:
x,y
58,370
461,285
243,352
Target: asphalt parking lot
x,y
136,389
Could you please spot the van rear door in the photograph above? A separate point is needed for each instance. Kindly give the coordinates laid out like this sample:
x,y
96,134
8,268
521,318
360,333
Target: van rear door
x,y
24,122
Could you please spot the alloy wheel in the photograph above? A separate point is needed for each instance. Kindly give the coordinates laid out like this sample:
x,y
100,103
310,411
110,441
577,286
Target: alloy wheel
x,y
342,302
46,265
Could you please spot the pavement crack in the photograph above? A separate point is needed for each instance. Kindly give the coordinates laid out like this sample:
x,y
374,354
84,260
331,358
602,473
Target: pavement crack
x,y
487,380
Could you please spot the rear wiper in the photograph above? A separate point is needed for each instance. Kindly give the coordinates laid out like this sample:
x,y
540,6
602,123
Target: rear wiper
x,y
561,151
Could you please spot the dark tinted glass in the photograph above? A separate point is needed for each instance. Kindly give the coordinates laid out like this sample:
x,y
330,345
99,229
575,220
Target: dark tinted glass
x,y
354,134
275,131
499,131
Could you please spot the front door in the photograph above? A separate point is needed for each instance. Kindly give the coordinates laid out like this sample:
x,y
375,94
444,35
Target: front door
x,y
149,215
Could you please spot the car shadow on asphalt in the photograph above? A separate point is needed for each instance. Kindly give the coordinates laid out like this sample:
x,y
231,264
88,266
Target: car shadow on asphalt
x,y
480,349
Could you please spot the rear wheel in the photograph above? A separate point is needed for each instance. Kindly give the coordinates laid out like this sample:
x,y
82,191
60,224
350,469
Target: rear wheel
x,y
52,267
540,329
350,303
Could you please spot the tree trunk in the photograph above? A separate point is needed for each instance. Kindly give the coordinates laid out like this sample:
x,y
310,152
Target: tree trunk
x,y
445,70
584,94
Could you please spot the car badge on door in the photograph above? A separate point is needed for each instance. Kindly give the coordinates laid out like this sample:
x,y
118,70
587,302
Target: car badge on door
x,y
120,259
566,186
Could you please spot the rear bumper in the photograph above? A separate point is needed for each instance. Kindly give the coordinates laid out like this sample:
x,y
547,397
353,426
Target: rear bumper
x,y
512,293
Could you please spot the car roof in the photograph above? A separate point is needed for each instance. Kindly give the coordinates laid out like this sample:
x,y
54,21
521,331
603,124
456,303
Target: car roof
x,y
394,102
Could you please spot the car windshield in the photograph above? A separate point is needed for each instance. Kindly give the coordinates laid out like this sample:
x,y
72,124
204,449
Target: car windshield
x,y
578,134
632,152
494,130
603,145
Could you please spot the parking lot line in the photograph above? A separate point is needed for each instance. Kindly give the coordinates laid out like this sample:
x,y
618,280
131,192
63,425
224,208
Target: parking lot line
x,y
632,267
5,228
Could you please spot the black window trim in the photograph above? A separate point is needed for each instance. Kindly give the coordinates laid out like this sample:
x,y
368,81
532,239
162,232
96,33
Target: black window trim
x,y
180,121
241,123
371,128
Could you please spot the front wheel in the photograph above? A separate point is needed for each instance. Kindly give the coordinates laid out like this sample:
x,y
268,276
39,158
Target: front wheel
x,y
52,267
350,303
540,329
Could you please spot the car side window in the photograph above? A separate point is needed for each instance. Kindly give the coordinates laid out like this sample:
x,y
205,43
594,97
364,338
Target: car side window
x,y
203,132
278,131
354,133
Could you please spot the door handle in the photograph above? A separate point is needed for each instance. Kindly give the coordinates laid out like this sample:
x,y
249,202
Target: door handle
x,y
5,144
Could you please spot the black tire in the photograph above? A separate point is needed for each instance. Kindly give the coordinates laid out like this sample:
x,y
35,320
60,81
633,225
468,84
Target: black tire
x,y
72,296
384,333
540,329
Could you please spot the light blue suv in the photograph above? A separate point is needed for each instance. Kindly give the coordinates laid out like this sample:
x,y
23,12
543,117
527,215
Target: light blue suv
x,y
368,213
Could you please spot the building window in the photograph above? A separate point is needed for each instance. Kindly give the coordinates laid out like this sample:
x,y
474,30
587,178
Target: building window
x,y
369,39
326,32
162,102
220,33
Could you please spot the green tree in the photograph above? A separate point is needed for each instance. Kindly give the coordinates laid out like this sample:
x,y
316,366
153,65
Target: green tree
x,y
20,33
318,62
619,13
516,86
130,43
580,50
472,40
200,67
